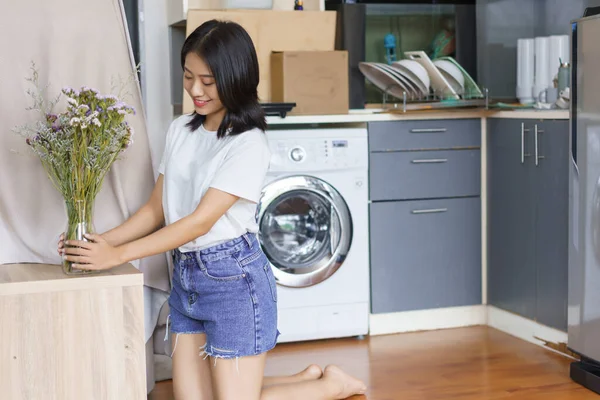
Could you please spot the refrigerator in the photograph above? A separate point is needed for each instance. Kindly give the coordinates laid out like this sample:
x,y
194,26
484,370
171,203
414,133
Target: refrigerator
x,y
584,201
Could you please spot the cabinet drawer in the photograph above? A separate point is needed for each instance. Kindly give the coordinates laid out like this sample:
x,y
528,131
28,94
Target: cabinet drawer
x,y
420,135
424,174
425,254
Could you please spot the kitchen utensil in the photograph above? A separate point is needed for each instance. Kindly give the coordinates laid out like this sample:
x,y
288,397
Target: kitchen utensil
x,y
471,88
557,51
439,83
277,109
412,91
542,78
452,74
416,72
525,70
452,70
401,81
389,42
564,73
550,95
385,81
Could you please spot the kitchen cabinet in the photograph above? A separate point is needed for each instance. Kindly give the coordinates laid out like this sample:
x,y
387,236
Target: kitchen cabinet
x,y
551,233
511,222
425,254
425,174
527,218
425,214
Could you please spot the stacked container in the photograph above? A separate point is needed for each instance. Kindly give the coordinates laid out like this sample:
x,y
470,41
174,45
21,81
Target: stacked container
x,y
538,61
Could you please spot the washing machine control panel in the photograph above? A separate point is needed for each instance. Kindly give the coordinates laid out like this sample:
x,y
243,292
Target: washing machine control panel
x,y
318,154
297,154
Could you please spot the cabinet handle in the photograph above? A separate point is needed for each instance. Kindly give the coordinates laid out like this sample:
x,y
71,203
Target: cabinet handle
x,y
428,130
429,211
523,155
430,161
537,156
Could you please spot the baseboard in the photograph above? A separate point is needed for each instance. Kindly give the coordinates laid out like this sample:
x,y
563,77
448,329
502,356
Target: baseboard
x,y
457,317
425,320
526,329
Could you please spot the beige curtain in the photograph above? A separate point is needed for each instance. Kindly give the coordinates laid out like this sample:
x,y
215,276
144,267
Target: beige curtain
x,y
73,43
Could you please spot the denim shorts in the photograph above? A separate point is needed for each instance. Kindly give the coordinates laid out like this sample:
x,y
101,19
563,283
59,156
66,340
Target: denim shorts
x,y
227,292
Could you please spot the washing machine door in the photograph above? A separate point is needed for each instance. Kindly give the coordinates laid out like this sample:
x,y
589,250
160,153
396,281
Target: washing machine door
x,y
305,230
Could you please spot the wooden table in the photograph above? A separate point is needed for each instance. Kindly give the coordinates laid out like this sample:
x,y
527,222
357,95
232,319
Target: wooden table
x,y
71,337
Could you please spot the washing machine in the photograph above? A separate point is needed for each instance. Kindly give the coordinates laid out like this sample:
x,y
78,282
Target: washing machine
x,y
313,219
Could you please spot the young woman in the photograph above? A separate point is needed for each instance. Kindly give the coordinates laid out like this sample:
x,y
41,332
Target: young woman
x,y
223,302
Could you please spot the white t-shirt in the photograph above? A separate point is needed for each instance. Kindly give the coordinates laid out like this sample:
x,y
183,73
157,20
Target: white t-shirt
x,y
193,161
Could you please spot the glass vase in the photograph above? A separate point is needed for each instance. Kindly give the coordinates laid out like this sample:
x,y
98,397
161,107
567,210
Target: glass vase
x,y
79,223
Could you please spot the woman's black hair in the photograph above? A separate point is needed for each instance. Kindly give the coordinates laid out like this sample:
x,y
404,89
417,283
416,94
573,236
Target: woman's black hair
x,y
228,51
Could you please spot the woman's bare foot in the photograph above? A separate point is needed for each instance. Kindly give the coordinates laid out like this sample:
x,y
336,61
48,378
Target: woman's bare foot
x,y
346,384
311,373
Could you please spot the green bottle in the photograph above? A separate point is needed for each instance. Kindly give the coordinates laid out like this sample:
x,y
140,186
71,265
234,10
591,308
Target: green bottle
x,y
564,73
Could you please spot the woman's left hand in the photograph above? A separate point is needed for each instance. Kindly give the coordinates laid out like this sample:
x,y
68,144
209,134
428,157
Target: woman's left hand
x,y
94,254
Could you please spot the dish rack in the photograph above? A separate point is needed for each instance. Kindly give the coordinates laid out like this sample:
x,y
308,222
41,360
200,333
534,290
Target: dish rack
x,y
434,101
441,93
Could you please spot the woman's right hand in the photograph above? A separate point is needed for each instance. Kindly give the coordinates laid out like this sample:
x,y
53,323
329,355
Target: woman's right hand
x,y
61,244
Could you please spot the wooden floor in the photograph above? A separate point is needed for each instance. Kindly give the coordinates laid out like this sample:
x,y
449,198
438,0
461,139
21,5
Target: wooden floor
x,y
468,363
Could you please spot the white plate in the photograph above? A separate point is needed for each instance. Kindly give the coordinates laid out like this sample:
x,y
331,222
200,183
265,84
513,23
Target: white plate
x,y
471,87
382,79
420,88
415,73
452,70
439,83
412,90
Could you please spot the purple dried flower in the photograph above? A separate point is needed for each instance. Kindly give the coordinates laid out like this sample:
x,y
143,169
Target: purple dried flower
x,y
69,91
88,112
128,143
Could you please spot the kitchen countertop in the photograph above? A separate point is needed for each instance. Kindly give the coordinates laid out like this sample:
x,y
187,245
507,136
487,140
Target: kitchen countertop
x,y
371,115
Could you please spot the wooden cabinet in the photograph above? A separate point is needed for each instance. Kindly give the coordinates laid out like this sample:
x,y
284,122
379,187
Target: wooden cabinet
x,y
71,337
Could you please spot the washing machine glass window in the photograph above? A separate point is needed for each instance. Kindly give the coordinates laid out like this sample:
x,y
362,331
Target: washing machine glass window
x,y
305,230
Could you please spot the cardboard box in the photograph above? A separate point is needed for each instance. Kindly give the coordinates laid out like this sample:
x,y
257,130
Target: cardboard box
x,y
177,10
317,81
273,30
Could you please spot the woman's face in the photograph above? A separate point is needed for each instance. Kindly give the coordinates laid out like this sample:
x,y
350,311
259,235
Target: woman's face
x,y
200,84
